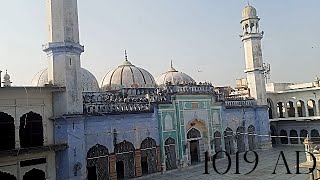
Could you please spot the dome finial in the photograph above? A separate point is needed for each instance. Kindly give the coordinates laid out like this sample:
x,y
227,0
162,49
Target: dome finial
x,y
171,64
248,3
125,55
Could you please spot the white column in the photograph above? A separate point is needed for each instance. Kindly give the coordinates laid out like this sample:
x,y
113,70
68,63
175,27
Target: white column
x,y
16,132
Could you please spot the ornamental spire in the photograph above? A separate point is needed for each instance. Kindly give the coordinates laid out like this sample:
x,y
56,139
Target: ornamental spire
x,y
125,55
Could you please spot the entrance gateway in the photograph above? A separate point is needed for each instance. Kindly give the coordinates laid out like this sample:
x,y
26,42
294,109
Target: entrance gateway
x,y
194,138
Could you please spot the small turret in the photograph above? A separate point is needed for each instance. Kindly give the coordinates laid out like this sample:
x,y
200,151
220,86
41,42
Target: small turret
x,y
6,80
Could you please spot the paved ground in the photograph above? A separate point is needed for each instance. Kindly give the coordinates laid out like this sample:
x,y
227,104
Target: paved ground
x,y
265,167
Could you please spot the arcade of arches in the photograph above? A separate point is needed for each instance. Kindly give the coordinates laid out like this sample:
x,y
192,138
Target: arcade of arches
x,y
30,131
242,140
126,162
299,108
293,136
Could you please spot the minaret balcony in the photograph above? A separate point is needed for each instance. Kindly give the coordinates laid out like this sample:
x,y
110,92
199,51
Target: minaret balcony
x,y
251,36
63,47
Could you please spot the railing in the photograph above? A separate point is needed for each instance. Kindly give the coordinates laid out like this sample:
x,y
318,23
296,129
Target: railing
x,y
108,103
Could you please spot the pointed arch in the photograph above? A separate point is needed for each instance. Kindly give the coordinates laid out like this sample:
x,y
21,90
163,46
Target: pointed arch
x,y
7,132
31,130
98,162
170,153
148,156
252,137
193,133
125,159
228,140
240,139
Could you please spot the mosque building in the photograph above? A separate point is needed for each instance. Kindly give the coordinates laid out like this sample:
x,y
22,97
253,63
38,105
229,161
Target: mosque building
x,y
68,126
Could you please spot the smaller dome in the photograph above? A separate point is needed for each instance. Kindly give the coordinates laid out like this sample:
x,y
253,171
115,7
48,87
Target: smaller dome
x,y
89,82
174,77
249,12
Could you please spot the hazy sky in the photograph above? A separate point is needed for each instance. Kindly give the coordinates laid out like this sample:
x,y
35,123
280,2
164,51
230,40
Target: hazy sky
x,y
198,35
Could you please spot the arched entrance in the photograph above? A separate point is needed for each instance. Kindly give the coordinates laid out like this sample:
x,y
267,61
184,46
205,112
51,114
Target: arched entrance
x,y
170,153
251,137
148,156
217,143
303,135
7,176
240,139
125,160
31,130
228,140
193,137
34,174
283,137
293,137
98,162
6,132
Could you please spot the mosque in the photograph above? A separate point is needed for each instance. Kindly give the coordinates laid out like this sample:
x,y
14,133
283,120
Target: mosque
x,y
68,126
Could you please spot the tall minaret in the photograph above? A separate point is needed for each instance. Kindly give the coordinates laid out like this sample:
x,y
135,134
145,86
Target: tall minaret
x,y
64,50
251,38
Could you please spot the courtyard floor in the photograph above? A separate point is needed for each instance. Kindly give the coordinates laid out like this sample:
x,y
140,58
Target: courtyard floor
x,y
266,165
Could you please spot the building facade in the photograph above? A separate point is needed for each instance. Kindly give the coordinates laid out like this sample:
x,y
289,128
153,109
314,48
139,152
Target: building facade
x,y
130,125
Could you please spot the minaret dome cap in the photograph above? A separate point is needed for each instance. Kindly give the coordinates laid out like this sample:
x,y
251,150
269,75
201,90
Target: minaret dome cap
x,y
249,12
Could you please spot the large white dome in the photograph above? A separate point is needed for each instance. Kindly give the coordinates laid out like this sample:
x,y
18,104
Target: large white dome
x,y
174,77
89,82
127,76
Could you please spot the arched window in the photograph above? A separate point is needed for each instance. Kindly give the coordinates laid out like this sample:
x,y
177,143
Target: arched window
x,y
301,109
311,107
193,133
7,132
291,109
31,130
283,137
303,135
280,109
293,137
